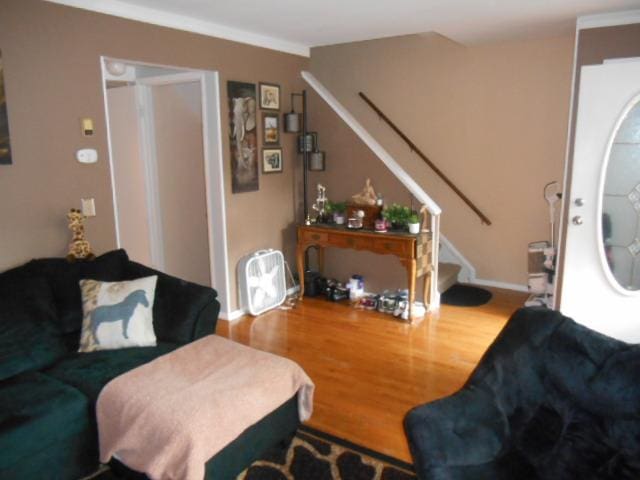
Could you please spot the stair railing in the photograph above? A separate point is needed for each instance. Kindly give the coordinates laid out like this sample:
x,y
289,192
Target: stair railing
x,y
414,148
430,211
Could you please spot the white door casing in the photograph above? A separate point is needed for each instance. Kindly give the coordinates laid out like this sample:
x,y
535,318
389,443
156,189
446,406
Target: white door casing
x,y
589,293
213,170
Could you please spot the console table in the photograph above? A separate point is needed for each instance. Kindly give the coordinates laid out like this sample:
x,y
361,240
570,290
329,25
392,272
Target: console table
x,y
413,251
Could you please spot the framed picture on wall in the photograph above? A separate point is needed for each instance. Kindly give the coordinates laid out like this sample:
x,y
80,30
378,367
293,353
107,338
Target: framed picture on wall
x,y
5,144
271,160
269,96
270,128
243,125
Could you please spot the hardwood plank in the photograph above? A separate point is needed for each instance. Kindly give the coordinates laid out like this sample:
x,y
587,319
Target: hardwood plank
x,y
369,368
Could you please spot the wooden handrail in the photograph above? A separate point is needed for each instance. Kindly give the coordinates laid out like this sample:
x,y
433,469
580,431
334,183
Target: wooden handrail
x,y
418,152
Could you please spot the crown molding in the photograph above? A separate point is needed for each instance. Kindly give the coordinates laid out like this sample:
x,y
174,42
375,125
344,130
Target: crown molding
x,y
608,19
153,16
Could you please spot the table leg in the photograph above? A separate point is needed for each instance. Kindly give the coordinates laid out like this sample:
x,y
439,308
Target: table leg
x,y
300,251
411,272
426,295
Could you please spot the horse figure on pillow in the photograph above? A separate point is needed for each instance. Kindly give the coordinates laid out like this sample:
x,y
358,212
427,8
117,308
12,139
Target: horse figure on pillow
x,y
118,311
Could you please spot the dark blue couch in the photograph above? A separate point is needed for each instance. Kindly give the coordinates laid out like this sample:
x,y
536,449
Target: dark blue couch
x,y
48,390
549,400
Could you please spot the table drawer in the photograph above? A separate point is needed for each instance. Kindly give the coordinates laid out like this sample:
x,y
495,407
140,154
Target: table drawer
x,y
391,246
320,237
349,241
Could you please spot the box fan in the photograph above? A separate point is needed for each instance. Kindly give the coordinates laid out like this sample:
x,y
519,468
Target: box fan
x,y
262,281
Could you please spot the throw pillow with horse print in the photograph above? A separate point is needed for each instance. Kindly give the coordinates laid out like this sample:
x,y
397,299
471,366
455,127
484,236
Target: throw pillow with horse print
x,y
117,314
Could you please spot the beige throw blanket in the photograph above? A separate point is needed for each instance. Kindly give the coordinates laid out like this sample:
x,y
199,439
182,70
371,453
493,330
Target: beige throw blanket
x,y
168,417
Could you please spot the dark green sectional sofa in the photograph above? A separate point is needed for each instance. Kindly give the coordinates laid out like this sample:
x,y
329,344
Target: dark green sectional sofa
x,y
48,391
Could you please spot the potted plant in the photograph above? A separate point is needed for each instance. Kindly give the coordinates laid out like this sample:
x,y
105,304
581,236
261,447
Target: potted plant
x,y
337,209
397,215
414,223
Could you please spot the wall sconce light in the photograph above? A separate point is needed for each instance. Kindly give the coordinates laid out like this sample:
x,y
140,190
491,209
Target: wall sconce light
x,y
308,143
292,119
316,161
312,158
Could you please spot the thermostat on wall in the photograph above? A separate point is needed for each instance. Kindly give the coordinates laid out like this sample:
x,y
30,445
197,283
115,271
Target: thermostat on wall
x,y
87,155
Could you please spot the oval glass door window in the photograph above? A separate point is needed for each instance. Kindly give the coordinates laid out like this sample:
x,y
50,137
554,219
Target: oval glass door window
x,y
621,204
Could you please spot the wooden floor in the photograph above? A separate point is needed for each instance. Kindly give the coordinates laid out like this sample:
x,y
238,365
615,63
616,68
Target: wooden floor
x,y
369,368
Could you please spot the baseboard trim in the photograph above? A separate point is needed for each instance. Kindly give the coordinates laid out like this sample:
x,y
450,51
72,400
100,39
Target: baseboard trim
x,y
293,290
236,314
493,283
233,315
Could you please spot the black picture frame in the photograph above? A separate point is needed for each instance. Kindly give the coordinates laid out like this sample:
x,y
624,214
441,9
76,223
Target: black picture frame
x,y
272,160
243,126
270,128
5,141
269,96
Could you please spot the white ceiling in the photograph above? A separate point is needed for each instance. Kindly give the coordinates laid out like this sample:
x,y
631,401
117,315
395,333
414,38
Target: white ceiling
x,y
297,25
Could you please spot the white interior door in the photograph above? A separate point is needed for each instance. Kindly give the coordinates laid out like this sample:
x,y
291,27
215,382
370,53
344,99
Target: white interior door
x,y
601,268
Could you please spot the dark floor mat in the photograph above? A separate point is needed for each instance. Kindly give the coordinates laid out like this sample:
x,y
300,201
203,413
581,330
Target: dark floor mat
x,y
465,296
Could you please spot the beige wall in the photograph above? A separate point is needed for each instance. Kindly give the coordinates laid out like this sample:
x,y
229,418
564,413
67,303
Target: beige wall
x,y
492,117
52,74
129,173
177,119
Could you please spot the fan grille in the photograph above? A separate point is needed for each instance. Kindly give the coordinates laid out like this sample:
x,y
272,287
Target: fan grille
x,y
265,281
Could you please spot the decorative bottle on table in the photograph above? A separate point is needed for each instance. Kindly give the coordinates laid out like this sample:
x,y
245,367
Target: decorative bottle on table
x,y
380,223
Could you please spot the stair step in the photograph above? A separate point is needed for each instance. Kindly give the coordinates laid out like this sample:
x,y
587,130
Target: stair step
x,y
447,275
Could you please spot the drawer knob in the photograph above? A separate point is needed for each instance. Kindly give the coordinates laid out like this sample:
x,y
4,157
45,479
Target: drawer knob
x,y
351,242
388,246
315,236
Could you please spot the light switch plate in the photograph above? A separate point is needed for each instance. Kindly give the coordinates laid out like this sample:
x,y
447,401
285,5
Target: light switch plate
x,y
87,155
88,207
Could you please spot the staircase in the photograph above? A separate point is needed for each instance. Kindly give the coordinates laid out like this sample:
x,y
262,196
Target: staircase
x,y
441,271
447,275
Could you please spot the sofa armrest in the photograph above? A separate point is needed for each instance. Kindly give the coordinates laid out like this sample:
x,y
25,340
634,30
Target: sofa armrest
x,y
207,320
464,429
182,311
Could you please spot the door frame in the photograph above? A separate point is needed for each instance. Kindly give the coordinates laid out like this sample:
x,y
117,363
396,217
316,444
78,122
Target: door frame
x,y
209,82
